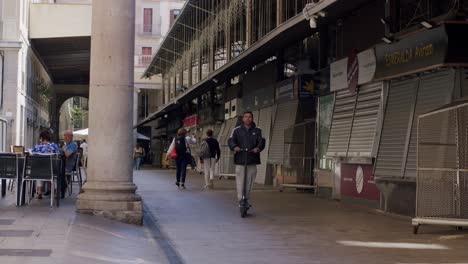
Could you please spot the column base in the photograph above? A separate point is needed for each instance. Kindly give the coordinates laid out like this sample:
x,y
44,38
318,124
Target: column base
x,y
112,200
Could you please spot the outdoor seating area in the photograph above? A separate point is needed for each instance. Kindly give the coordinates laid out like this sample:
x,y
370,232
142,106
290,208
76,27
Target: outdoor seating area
x,y
21,171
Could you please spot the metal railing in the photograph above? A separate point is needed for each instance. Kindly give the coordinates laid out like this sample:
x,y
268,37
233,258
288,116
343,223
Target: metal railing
x,y
148,29
143,60
442,168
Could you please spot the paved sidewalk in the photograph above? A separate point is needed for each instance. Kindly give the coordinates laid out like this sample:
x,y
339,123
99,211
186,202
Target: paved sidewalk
x,y
204,226
38,234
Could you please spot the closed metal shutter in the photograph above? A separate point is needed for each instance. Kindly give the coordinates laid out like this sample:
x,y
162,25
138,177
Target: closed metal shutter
x,y
264,122
285,117
435,90
406,101
341,124
400,104
226,130
365,121
226,163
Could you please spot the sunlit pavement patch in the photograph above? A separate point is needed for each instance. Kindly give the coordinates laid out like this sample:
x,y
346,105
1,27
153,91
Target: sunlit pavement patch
x,y
392,245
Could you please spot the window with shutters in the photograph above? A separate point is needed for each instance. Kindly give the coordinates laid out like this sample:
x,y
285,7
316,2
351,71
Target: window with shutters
x,y
146,54
147,20
173,16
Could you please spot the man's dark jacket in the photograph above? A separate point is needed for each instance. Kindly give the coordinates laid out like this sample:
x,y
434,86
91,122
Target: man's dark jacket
x,y
247,139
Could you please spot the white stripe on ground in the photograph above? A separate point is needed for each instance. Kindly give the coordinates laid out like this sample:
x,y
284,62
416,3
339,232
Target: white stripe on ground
x,y
392,245
109,259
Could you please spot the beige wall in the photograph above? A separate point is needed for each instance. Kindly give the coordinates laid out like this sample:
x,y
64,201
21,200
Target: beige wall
x,y
60,20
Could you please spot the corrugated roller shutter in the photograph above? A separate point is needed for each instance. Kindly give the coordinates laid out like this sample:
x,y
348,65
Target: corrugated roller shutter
x,y
341,124
435,90
400,104
285,117
226,163
366,116
264,122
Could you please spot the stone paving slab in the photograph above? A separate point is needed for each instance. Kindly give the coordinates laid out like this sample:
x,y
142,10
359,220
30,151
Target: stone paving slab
x,y
204,226
38,234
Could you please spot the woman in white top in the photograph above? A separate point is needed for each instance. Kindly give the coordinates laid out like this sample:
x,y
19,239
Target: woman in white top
x,y
181,146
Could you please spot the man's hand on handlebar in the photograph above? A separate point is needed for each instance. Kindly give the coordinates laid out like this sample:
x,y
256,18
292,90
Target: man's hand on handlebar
x,y
256,150
237,149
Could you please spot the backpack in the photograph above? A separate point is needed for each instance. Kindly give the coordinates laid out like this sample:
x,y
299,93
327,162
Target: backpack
x,y
180,146
205,152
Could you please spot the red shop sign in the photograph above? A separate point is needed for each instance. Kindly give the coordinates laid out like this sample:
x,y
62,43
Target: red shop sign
x,y
191,121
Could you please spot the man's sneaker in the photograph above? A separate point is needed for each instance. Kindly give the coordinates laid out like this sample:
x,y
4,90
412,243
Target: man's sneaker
x,y
178,184
182,186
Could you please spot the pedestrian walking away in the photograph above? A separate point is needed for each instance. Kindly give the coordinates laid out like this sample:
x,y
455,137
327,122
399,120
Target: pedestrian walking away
x,y
180,151
247,141
138,155
210,154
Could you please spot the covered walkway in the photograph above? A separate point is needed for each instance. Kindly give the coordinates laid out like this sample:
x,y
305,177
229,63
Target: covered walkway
x,y
290,227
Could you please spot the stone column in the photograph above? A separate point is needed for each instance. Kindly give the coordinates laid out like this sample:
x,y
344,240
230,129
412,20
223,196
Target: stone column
x,y
109,190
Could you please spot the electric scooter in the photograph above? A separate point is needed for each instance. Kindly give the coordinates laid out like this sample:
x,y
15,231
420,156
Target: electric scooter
x,y
244,203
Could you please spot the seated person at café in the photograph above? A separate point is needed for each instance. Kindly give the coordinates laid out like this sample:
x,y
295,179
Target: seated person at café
x,y
70,150
44,147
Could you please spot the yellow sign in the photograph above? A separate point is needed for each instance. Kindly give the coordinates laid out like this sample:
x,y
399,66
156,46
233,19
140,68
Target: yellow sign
x,y
408,55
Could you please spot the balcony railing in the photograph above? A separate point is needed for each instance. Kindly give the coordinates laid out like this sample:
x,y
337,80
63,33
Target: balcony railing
x,y
148,29
143,60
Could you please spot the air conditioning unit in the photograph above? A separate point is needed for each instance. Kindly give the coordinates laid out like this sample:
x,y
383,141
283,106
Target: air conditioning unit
x,y
227,110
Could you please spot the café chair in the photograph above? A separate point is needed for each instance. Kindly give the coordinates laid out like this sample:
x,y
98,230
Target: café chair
x,y
41,168
17,149
8,170
75,175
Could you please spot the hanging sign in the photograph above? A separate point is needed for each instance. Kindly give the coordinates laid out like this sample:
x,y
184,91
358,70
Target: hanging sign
x,y
340,71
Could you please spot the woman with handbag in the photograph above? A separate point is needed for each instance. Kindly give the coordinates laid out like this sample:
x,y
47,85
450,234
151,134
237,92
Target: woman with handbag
x,y
180,151
138,155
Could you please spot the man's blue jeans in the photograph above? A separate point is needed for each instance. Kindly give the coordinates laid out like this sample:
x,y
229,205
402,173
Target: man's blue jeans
x,y
181,167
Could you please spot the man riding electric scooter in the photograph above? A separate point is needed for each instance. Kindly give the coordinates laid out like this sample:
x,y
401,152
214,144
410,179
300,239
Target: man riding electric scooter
x,y
247,141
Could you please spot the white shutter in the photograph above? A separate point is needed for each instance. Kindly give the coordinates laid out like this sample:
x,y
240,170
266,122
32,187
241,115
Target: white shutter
x,y
264,122
285,117
340,132
400,104
365,121
435,90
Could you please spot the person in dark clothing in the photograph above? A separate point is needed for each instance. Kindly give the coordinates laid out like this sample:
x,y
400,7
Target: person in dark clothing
x,y
181,146
247,141
210,153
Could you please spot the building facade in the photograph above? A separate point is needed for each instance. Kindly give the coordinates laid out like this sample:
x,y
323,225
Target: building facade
x,y
25,84
153,19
